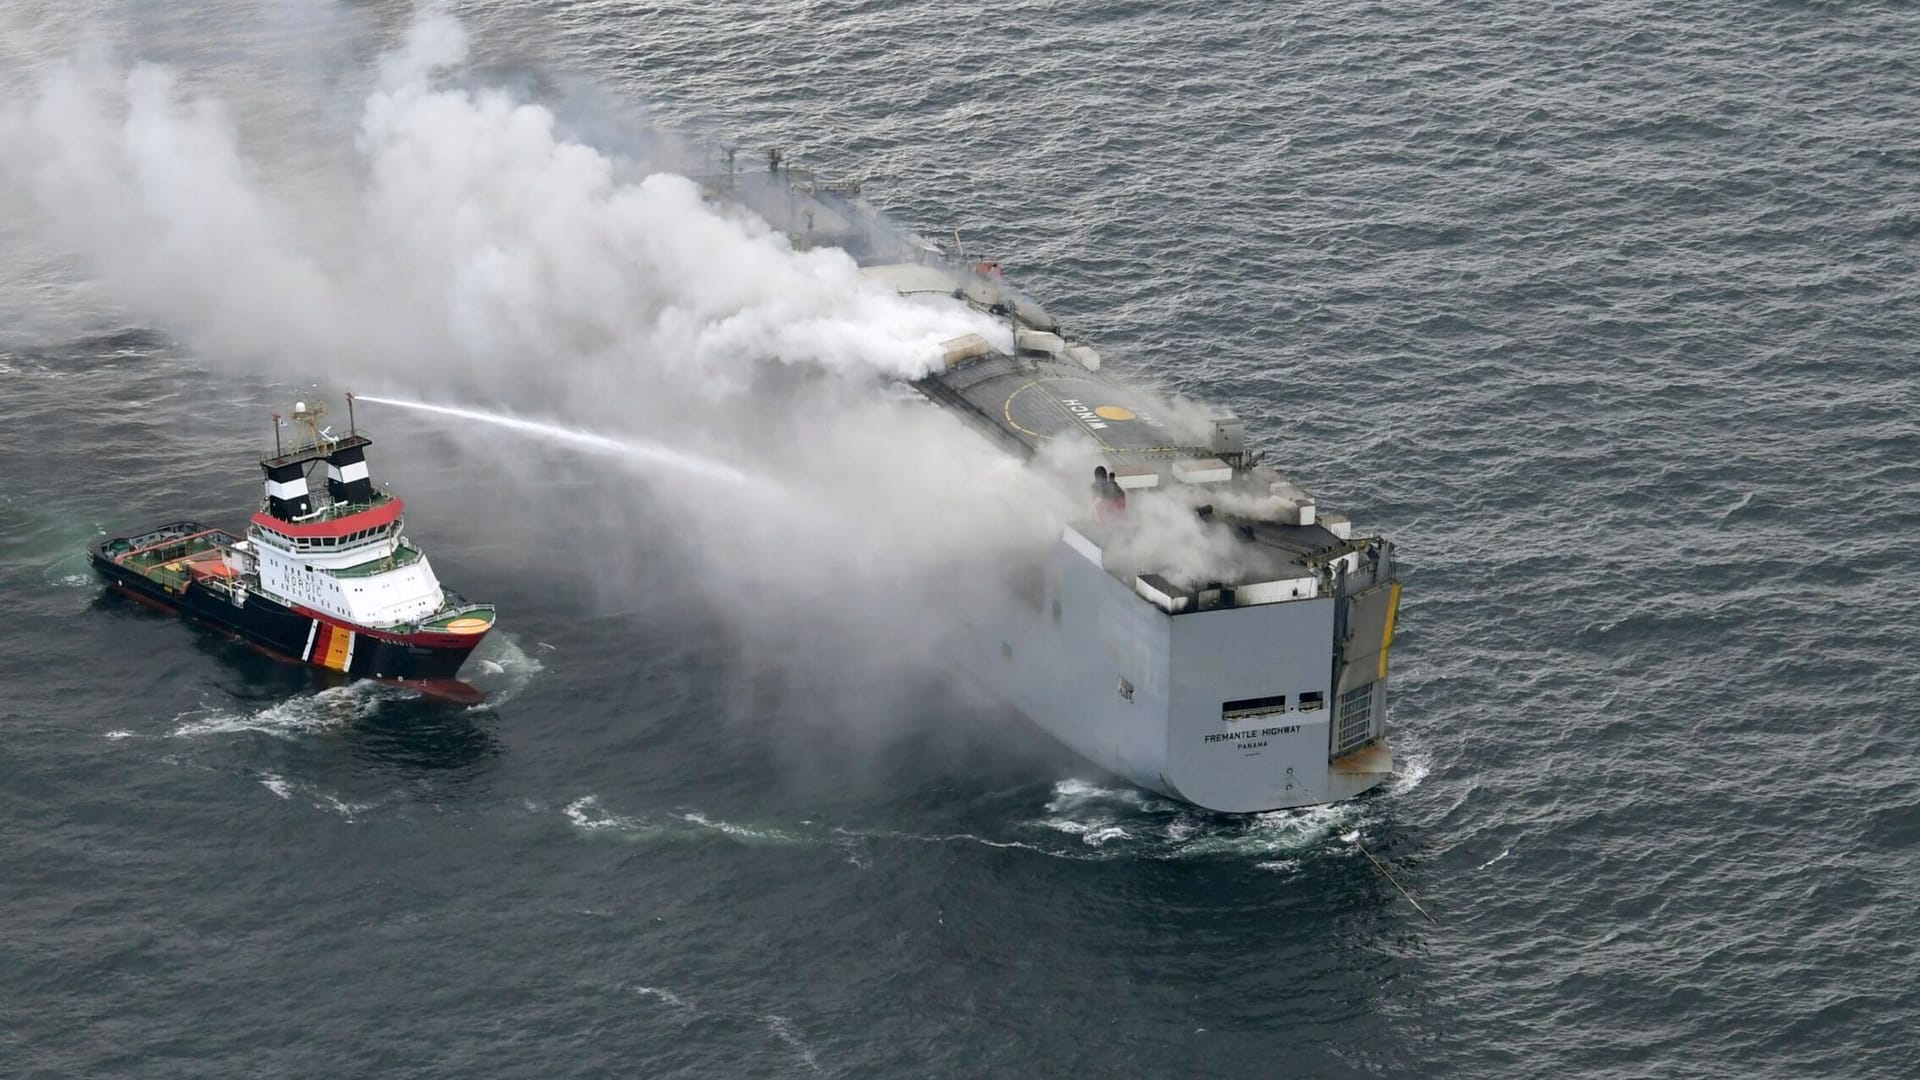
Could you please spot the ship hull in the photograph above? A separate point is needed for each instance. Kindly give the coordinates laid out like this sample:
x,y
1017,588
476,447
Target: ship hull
x,y
298,635
1150,696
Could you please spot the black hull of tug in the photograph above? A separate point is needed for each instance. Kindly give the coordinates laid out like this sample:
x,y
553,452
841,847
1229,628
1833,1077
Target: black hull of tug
x,y
299,637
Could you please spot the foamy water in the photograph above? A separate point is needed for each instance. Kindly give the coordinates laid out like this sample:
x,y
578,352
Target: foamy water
x,y
501,670
1082,821
327,710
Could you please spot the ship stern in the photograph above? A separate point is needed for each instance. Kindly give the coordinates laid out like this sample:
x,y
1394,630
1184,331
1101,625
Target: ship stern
x,y
1257,719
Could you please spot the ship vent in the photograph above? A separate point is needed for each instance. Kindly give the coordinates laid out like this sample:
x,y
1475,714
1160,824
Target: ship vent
x,y
1354,720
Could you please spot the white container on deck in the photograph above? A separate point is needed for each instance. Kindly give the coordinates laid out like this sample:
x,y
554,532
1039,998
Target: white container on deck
x,y
1038,341
1202,471
963,348
1297,497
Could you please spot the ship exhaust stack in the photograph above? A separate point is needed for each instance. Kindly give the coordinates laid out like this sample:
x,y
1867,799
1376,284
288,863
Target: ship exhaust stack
x,y
287,496
348,480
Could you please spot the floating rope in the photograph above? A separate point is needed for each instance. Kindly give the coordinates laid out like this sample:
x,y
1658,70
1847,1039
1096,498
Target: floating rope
x,y
1384,872
1354,839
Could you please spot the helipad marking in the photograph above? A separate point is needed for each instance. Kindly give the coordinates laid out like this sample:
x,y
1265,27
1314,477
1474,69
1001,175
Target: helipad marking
x,y
1064,407
1113,412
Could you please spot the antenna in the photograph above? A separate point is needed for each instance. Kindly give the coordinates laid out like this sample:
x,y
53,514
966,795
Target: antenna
x,y
351,430
276,435
310,417
1013,327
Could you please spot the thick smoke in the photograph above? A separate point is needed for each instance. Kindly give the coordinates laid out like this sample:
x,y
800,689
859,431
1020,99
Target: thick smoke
x,y
411,228
475,246
450,243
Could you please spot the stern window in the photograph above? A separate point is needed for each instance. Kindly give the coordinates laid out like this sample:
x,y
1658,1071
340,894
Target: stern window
x,y
1233,712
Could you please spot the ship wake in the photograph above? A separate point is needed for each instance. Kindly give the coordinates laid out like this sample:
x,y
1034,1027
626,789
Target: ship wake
x,y
1082,822
1127,822
501,670
333,708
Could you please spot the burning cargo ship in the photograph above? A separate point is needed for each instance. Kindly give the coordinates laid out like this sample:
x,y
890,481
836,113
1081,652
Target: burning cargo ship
x,y
1257,685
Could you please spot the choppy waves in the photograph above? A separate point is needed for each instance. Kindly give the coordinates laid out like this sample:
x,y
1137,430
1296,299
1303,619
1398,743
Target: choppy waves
x,y
1601,310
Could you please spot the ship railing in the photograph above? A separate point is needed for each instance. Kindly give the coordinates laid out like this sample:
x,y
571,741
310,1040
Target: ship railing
x,y
325,508
1372,572
176,546
404,555
463,609
308,449
446,614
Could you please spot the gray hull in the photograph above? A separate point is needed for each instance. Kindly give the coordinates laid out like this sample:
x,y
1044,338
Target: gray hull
x,y
1234,709
1240,664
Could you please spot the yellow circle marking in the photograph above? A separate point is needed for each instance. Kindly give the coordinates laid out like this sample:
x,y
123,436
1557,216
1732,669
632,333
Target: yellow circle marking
x,y
1113,412
467,626
1007,411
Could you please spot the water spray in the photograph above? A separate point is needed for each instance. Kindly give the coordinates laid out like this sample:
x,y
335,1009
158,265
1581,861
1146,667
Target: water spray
x,y
639,453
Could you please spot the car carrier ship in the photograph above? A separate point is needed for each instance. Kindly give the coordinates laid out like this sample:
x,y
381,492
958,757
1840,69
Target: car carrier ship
x,y
1258,685
322,577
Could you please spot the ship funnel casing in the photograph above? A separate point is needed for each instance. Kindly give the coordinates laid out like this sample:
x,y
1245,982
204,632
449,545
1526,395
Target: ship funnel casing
x,y
348,479
286,488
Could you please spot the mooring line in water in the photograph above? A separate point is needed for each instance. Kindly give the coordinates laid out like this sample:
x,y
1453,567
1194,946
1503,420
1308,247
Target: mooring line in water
x,y
1384,872
1354,839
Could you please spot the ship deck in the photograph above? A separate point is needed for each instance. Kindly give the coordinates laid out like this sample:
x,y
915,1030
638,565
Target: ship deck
x,y
1029,402
1265,550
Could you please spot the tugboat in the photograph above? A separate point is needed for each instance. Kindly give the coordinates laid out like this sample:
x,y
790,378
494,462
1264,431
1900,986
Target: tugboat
x,y
325,580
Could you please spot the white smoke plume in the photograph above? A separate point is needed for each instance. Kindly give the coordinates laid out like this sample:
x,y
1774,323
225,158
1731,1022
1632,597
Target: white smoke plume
x,y
477,247
441,239
450,243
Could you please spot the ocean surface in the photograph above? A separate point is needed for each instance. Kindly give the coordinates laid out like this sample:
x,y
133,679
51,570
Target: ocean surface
x,y
1602,310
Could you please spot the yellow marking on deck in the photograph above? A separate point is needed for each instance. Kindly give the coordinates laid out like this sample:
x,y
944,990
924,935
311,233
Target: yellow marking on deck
x,y
339,643
468,625
1007,411
1113,412
1386,638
